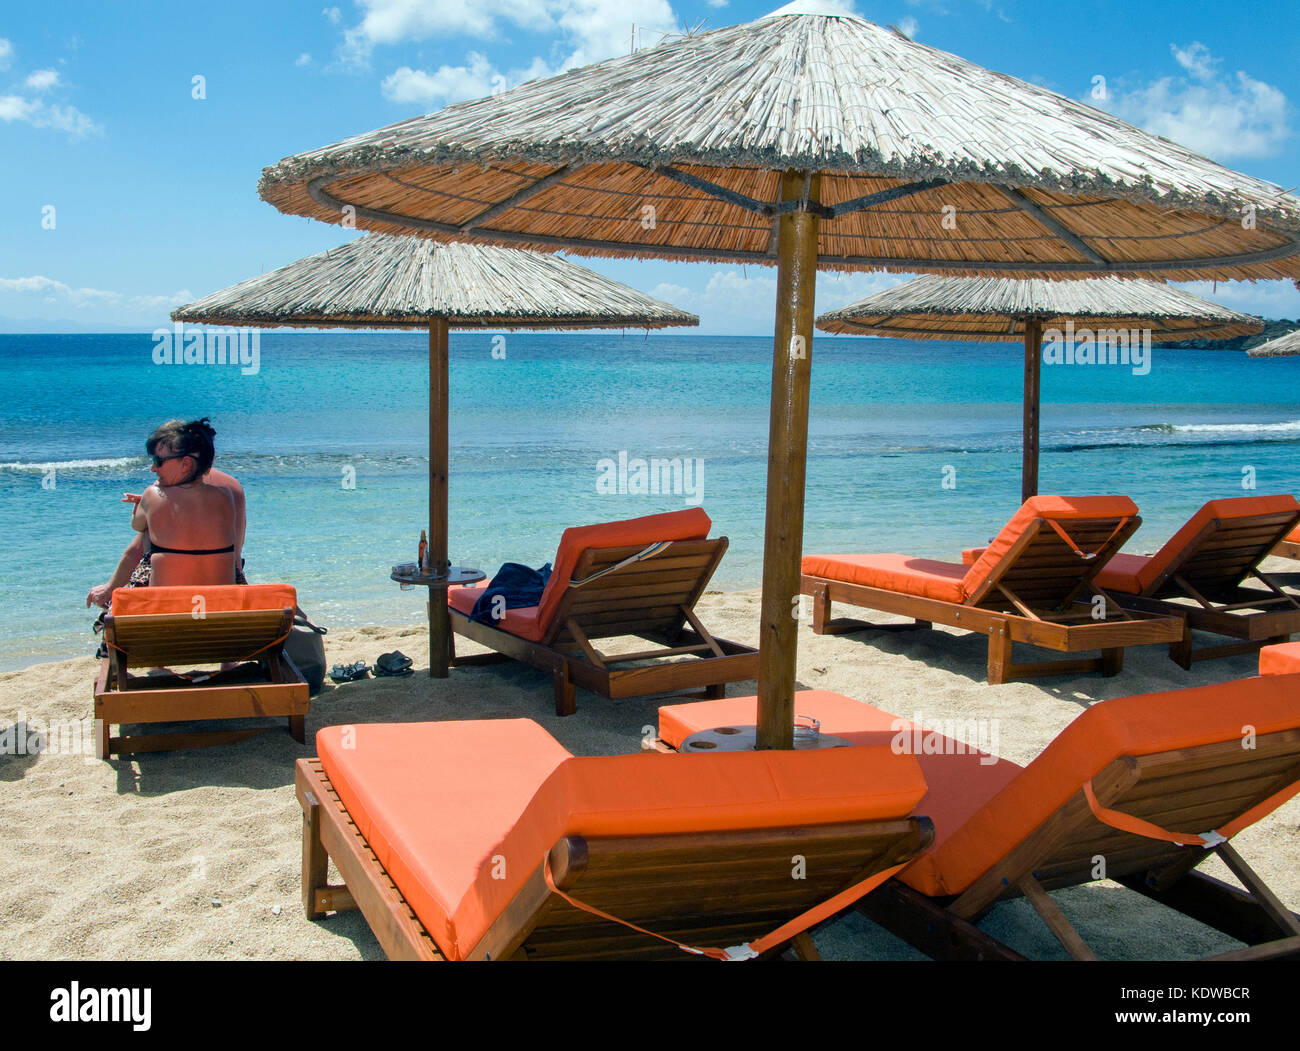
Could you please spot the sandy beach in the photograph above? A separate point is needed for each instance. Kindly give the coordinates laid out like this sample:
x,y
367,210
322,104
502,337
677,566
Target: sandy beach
x,y
196,855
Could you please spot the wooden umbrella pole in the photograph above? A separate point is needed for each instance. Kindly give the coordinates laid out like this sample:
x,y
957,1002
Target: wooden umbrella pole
x,y
439,621
787,454
1033,385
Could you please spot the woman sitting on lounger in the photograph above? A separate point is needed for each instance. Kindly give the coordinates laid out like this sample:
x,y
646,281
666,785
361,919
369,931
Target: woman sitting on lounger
x,y
190,526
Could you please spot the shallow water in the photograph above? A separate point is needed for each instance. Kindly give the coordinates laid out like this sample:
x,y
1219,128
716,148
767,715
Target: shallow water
x,y
913,447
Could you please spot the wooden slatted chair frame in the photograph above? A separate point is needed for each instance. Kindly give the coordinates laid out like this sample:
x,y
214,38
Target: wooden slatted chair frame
x,y
1205,585
704,889
652,598
264,683
1041,592
1184,790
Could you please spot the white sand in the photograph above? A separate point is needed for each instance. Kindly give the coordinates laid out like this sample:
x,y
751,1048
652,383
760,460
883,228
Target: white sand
x,y
196,855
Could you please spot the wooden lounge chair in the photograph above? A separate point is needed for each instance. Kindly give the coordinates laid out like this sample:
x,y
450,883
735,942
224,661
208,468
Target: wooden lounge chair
x,y
1033,584
488,841
1186,761
639,577
188,627
1201,574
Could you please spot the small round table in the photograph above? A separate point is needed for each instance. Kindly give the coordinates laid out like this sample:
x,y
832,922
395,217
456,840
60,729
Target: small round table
x,y
743,739
439,621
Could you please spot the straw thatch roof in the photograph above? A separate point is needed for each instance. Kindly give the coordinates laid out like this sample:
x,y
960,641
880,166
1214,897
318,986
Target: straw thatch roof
x,y
403,282
995,310
700,129
1283,346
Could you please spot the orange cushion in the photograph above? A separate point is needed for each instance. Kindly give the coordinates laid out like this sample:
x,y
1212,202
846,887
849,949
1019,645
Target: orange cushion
x,y
908,576
1235,507
1060,508
522,621
1135,726
690,524
1282,659
1123,573
971,555
467,829
217,598
959,777
1293,536
430,807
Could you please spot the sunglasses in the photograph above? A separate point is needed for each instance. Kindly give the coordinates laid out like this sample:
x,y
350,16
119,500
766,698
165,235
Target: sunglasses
x,y
158,461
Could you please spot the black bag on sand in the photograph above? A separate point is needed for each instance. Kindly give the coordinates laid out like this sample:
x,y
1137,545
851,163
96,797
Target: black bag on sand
x,y
305,646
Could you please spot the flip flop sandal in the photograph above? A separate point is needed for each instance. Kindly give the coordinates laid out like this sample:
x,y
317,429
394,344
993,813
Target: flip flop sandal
x,y
393,664
342,673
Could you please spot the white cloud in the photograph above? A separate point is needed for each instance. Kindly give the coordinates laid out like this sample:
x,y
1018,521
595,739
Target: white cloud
x,y
909,26
302,60
1220,116
1196,59
590,30
6,53
669,293
742,301
43,79
448,84
1266,299
718,3
333,15
41,114
13,107
48,290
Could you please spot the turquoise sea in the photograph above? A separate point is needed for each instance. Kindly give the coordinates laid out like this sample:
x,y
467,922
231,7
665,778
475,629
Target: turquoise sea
x,y
891,421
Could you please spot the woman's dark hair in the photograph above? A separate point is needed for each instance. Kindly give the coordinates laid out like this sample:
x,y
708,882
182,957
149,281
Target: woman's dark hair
x,y
187,439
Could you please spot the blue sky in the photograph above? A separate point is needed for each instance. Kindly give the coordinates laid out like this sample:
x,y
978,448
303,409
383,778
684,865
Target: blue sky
x,y
154,190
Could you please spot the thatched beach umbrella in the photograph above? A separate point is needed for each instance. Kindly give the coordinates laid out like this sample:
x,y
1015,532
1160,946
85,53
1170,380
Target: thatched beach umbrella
x,y
1283,346
381,281
801,140
1005,310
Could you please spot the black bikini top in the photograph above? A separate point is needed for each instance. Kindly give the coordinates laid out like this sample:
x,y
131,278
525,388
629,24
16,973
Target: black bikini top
x,y
158,549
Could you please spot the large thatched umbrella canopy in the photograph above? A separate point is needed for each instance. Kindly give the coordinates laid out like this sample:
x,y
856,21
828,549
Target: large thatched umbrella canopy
x,y
1006,310
380,281
804,139
409,282
1283,346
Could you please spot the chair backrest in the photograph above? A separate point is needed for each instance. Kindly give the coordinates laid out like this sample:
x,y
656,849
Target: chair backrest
x,y
689,524
1220,545
1188,790
198,625
1188,760
643,597
705,849
1030,558
705,890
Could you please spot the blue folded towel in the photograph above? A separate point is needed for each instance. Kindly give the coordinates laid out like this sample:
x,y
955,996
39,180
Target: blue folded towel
x,y
518,585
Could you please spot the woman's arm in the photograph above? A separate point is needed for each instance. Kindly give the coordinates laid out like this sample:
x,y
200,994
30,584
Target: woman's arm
x,y
100,595
140,515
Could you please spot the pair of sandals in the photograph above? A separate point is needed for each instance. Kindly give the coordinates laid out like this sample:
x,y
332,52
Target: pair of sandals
x,y
389,665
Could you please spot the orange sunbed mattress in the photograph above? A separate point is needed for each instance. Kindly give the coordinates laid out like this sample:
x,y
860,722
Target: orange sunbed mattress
x,y
953,582
461,814
1282,659
981,811
907,576
217,598
1135,574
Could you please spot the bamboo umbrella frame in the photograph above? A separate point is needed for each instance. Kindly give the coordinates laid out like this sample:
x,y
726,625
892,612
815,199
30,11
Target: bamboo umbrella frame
x,y
381,281
806,139
996,310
